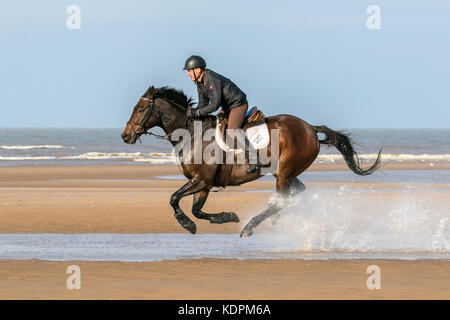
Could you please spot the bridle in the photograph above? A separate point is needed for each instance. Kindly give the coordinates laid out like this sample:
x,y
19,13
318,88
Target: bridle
x,y
150,107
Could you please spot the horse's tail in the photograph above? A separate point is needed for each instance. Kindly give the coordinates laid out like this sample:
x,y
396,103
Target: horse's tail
x,y
342,142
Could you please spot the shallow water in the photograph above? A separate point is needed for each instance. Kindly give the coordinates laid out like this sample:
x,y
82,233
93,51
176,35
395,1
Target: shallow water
x,y
158,247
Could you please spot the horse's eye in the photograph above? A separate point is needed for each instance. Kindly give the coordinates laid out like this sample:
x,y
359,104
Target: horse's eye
x,y
141,109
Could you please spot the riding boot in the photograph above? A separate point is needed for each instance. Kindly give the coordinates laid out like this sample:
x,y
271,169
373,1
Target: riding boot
x,y
254,165
253,168
253,160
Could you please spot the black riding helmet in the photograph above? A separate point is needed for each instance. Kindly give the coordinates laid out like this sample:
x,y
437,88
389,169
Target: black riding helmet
x,y
194,62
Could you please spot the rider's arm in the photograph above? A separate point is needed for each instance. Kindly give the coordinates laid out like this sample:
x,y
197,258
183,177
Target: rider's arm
x,y
214,88
203,100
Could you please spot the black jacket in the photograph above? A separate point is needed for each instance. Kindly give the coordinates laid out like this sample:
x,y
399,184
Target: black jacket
x,y
215,91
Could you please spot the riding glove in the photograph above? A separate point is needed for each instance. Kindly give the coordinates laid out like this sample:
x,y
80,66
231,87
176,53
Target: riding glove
x,y
192,112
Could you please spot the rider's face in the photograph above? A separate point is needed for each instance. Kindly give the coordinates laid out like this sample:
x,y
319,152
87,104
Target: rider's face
x,y
198,73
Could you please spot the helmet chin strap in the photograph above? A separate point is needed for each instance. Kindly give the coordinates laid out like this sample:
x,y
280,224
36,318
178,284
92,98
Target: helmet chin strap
x,y
195,76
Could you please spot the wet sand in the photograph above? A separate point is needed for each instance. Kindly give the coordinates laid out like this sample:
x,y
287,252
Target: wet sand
x,y
226,279
129,199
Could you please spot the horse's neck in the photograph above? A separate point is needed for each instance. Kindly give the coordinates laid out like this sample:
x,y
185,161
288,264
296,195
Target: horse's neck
x,y
172,118
208,122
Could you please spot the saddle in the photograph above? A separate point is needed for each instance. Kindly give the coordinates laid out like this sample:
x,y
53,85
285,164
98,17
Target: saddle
x,y
253,117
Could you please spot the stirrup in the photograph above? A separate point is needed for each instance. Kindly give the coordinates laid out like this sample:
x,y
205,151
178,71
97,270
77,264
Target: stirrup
x,y
253,168
218,189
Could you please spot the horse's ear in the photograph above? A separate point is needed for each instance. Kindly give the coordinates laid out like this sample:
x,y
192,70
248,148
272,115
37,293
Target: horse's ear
x,y
153,88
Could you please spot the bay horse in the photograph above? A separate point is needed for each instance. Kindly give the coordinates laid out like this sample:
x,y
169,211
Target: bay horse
x,y
298,147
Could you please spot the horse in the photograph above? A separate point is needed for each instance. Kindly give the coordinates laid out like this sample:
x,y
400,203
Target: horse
x,y
298,147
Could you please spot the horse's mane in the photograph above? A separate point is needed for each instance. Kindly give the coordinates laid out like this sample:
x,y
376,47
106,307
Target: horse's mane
x,y
170,93
180,98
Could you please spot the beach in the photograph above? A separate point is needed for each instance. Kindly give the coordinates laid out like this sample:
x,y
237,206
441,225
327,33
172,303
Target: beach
x,y
135,199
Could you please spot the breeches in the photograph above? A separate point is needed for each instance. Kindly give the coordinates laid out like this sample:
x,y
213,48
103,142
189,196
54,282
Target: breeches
x,y
236,116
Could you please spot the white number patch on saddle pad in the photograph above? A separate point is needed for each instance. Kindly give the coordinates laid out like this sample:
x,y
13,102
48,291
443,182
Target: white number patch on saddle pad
x,y
258,136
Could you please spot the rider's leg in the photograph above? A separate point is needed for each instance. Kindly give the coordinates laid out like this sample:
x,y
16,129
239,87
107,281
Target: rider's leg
x,y
236,116
235,120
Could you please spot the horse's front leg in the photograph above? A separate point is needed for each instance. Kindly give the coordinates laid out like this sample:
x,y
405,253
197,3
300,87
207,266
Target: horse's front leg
x,y
199,202
194,185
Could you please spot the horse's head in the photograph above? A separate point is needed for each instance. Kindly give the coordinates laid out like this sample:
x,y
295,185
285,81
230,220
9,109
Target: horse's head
x,y
143,117
163,107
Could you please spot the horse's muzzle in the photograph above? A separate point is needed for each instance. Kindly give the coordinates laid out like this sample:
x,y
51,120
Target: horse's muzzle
x,y
127,138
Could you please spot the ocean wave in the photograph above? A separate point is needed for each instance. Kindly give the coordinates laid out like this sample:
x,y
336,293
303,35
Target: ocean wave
x,y
26,158
154,157
45,146
104,156
158,161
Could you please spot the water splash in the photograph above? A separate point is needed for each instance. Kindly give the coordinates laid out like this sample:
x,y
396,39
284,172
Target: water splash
x,y
349,220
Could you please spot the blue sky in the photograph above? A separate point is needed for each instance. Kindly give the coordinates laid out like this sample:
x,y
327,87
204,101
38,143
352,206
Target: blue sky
x,y
314,59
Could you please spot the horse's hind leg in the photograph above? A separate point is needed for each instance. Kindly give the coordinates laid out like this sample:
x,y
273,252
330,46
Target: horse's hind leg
x,y
222,217
255,221
283,191
295,187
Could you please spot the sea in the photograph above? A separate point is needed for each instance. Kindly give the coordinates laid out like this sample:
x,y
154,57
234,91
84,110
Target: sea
x,y
88,146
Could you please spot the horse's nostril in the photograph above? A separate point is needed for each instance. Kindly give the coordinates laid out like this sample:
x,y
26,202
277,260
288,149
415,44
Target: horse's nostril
x,y
125,136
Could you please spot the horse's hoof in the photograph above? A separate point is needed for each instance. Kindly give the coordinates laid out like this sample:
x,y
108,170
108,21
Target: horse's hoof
x,y
231,217
246,233
224,217
190,226
185,222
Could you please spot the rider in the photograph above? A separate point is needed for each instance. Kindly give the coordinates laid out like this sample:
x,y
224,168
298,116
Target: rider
x,y
214,91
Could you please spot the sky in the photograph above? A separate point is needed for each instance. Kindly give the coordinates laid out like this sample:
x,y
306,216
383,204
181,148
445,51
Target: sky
x,y
314,59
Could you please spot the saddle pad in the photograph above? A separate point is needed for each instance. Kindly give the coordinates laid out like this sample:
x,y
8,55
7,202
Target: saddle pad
x,y
258,136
